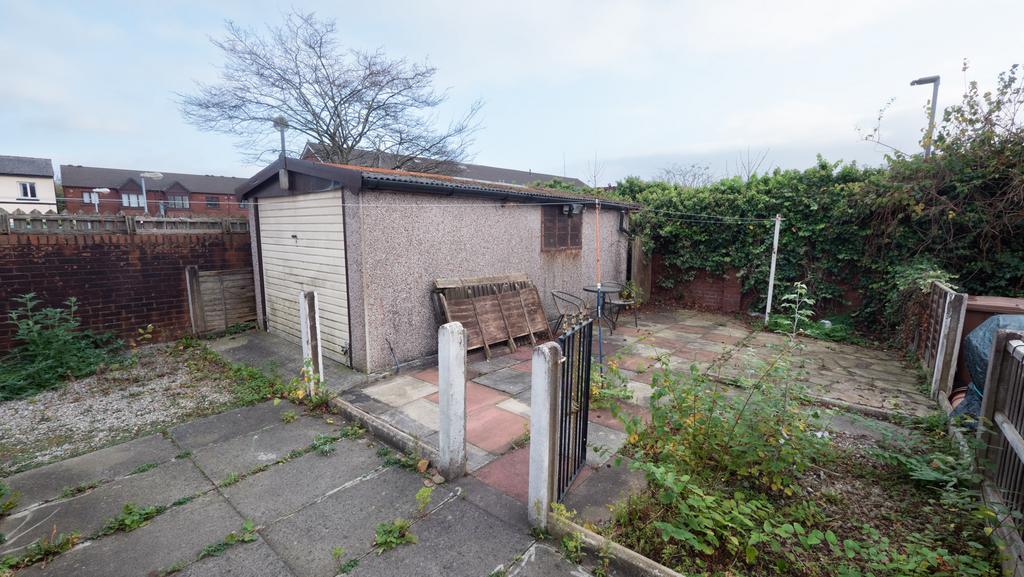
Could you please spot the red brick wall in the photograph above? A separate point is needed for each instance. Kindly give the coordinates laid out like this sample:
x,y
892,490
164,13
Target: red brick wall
x,y
110,203
122,282
716,293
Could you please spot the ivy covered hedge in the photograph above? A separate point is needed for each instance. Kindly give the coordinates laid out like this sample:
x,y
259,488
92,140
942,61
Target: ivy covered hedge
x,y
875,230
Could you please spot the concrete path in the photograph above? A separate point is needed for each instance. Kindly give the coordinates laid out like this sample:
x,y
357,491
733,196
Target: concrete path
x,y
256,465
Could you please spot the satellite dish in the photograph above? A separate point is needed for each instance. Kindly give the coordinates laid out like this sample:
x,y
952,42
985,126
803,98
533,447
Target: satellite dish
x,y
152,175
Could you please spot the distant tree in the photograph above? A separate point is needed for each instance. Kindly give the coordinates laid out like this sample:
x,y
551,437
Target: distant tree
x,y
687,176
345,101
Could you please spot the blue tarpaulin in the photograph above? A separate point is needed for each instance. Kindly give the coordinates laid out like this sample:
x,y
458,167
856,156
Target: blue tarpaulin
x,y
977,348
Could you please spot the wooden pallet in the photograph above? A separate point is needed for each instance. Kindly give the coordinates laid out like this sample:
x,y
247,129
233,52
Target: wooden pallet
x,y
493,310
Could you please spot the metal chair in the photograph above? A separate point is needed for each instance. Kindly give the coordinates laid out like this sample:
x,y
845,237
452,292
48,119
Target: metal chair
x,y
567,304
618,303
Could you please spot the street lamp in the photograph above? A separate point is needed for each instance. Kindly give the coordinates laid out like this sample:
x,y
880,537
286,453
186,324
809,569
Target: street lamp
x,y
934,81
96,197
142,177
281,124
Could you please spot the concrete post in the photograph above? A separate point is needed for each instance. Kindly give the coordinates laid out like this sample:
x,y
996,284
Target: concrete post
x,y
543,433
309,325
451,382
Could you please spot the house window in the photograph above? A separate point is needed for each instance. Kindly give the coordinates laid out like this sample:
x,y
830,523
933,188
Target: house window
x,y
561,227
244,205
212,202
27,191
90,197
177,201
131,199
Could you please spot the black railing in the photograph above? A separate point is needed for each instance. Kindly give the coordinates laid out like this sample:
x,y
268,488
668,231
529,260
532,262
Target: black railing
x,y
573,403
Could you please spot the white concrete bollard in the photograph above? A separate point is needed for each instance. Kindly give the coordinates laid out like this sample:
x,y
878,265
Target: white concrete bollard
x,y
543,433
451,381
309,325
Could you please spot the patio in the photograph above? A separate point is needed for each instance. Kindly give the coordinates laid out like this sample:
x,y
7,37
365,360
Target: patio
x,y
857,379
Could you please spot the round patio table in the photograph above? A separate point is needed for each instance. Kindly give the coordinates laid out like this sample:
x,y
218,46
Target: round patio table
x,y
600,290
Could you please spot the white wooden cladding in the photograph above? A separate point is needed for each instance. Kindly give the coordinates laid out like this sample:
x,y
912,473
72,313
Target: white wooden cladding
x,y
302,248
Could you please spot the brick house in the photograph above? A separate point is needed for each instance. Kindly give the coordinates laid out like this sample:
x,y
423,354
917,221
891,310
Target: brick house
x,y
113,190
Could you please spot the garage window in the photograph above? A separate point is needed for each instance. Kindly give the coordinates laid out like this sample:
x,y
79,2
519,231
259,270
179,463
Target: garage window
x,y
561,227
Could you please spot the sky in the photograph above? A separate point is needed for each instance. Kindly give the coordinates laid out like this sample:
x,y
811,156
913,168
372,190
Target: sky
x,y
574,88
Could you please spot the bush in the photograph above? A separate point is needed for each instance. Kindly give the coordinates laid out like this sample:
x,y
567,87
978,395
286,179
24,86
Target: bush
x,y
50,349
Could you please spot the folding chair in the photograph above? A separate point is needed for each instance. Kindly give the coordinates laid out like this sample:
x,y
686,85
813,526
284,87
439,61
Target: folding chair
x,y
567,304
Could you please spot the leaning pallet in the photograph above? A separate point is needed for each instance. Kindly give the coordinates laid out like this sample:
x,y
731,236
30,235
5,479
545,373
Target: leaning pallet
x,y
494,310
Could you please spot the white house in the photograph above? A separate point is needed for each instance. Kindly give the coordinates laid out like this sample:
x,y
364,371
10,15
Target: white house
x,y
27,184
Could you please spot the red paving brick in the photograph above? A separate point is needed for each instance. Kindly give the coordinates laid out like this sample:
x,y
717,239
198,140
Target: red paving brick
x,y
632,332
493,429
509,474
722,338
428,375
477,396
634,363
604,416
525,352
664,343
685,328
525,366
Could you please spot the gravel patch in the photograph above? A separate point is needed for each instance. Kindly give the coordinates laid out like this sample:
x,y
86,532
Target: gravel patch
x,y
158,391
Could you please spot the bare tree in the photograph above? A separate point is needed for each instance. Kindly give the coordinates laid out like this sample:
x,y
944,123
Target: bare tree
x,y
750,164
687,176
594,171
353,106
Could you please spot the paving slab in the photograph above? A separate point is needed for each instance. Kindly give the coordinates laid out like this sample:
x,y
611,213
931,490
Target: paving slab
x,y
398,391
276,355
508,474
219,428
177,535
365,402
49,481
493,429
88,512
607,485
254,559
414,419
345,519
285,488
459,540
493,501
542,560
507,380
496,363
602,443
245,452
515,406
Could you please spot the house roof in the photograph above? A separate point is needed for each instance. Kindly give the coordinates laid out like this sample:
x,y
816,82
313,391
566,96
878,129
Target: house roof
x,y
26,166
405,181
94,177
461,169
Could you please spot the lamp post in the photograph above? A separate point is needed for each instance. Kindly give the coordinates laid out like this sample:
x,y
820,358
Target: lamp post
x,y
142,178
934,81
281,124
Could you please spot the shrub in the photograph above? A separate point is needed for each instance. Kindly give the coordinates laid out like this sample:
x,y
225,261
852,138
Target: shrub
x,y
50,348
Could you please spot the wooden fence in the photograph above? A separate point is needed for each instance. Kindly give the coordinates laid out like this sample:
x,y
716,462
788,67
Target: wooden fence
x,y
36,222
220,299
1002,447
938,338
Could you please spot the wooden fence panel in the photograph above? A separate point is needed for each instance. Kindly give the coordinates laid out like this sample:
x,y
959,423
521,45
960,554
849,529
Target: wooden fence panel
x,y
939,338
220,299
1002,447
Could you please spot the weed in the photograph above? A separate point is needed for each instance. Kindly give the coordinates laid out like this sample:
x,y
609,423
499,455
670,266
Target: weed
x,y
288,416
172,569
572,547
608,387
353,431
50,348
131,518
499,572
423,499
8,499
392,534
324,444
539,533
391,459
231,479
246,535
184,500
604,558
522,440
143,468
344,566
40,550
183,455
69,492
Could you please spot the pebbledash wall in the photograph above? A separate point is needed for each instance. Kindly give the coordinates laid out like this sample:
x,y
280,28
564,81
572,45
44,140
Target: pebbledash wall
x,y
123,282
399,243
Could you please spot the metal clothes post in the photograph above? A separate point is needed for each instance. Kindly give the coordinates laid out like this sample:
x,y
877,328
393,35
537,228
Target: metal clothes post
x,y
600,293
771,273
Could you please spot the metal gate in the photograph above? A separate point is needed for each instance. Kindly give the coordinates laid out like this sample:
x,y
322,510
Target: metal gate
x,y
573,404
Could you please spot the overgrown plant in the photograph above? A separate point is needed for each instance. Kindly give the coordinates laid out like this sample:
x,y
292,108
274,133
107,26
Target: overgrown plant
x,y
392,534
50,348
130,518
